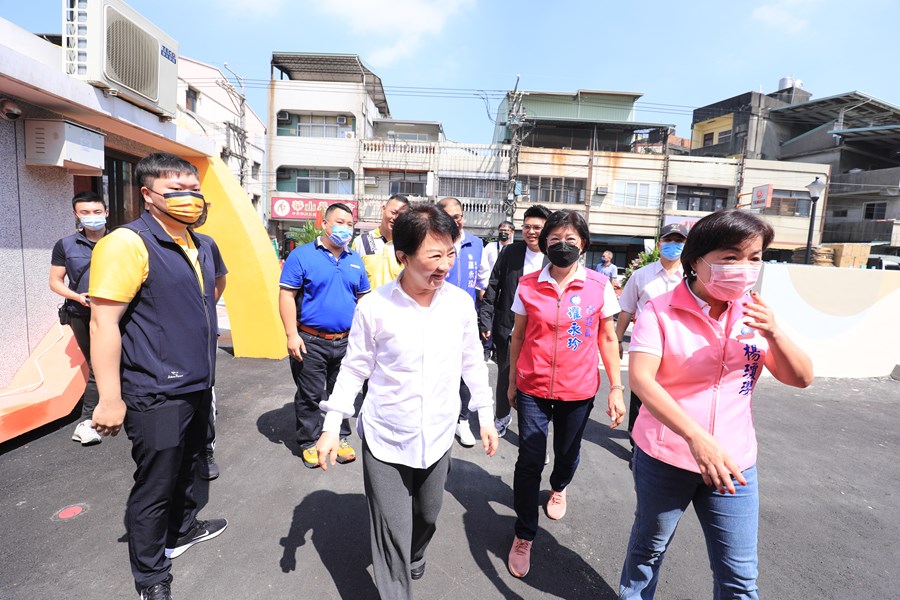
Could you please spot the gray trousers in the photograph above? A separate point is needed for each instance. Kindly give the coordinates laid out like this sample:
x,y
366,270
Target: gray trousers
x,y
404,504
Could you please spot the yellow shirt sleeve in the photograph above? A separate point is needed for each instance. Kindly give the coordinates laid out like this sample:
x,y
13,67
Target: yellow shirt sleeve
x,y
119,266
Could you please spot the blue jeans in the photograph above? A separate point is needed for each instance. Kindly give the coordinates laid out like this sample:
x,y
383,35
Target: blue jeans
x,y
569,419
729,522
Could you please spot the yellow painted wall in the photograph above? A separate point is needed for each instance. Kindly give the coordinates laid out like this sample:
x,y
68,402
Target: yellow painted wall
x,y
253,271
716,125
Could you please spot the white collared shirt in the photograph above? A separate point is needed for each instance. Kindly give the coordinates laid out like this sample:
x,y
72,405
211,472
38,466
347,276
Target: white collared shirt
x,y
413,357
647,283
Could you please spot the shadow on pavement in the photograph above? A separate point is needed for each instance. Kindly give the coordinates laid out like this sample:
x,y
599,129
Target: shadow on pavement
x,y
338,525
555,569
603,436
279,427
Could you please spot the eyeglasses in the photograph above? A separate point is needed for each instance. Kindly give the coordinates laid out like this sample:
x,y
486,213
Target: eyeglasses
x,y
457,218
532,227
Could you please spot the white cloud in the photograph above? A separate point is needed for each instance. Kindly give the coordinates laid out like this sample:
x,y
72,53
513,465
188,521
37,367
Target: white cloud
x,y
251,9
399,27
789,16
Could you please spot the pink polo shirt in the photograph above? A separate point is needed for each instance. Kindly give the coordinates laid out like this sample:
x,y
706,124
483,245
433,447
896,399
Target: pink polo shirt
x,y
709,367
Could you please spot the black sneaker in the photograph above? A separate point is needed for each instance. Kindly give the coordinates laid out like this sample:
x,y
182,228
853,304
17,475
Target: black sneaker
x,y
202,531
208,468
160,591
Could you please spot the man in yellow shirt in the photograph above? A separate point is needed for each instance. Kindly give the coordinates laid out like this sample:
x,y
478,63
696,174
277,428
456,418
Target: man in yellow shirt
x,y
377,247
153,324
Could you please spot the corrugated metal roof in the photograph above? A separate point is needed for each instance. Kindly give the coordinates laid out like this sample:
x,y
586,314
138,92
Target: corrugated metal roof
x,y
306,66
860,110
885,137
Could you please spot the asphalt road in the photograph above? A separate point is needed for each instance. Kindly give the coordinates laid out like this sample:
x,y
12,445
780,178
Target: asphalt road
x,y
830,509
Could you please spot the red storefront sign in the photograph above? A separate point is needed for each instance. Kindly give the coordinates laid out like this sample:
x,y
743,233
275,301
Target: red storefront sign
x,y
306,209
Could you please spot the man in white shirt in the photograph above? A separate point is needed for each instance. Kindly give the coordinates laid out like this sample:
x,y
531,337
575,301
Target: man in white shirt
x,y
408,420
505,233
648,282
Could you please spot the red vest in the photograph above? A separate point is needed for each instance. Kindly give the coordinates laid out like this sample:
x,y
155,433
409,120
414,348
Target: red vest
x,y
560,357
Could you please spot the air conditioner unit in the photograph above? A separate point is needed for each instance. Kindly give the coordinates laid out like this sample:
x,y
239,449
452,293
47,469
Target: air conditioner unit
x,y
341,120
349,135
343,174
671,189
601,190
284,116
370,181
113,47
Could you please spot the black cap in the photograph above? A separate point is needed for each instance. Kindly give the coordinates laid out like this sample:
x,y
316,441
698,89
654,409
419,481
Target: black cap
x,y
674,228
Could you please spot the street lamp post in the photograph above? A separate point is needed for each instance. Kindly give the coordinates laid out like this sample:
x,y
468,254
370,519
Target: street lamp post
x,y
815,190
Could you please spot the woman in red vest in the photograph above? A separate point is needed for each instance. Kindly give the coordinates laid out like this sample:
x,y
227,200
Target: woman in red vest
x,y
566,313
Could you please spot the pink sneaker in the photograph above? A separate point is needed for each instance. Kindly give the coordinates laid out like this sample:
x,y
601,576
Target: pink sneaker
x,y
556,505
519,558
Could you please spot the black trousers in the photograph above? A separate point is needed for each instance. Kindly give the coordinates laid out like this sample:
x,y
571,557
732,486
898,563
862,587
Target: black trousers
x,y
633,408
167,435
315,376
81,329
501,406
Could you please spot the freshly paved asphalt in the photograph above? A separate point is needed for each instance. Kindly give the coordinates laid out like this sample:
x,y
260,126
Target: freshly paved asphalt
x,y
830,509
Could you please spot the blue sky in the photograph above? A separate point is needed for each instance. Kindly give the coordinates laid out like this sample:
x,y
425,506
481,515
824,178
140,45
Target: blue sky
x,y
680,55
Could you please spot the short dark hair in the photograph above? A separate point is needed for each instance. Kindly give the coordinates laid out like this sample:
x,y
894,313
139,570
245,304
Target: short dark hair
x,y
161,164
88,197
337,206
508,224
422,218
563,218
722,229
400,198
536,211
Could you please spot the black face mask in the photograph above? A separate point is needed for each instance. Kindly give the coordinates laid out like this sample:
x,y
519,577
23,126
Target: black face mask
x,y
562,254
503,236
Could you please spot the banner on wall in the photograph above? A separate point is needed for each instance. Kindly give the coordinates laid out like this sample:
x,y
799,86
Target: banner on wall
x,y
306,209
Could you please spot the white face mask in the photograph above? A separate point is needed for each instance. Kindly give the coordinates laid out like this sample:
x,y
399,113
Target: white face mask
x,y
730,282
93,222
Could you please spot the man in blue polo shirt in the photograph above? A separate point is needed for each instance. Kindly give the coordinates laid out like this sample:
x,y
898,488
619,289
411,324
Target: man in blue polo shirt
x,y
320,284
464,275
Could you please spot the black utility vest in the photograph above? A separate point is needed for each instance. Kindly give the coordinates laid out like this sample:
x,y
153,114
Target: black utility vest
x,y
78,251
169,328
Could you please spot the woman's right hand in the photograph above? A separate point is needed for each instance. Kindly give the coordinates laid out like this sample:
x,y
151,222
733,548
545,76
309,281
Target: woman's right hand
x,y
716,466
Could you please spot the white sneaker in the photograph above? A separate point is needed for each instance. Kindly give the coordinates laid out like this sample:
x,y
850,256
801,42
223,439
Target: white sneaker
x,y
465,434
86,434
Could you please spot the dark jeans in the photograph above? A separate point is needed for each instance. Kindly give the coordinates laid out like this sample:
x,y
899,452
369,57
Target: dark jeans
x,y
211,425
501,407
82,331
634,406
315,376
167,435
569,418
464,396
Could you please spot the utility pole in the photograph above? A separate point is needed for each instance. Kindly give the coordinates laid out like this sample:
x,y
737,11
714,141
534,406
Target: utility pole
x,y
515,122
239,99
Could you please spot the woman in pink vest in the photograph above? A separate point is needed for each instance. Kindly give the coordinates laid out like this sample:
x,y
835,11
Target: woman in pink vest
x,y
565,312
695,356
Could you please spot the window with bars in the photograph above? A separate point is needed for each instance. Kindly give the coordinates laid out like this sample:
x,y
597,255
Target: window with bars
x,y
323,126
316,181
560,190
461,187
403,182
725,136
701,199
709,138
639,194
875,211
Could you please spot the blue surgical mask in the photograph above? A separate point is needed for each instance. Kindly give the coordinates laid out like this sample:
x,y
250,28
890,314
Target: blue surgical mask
x,y
602,261
671,250
340,234
93,222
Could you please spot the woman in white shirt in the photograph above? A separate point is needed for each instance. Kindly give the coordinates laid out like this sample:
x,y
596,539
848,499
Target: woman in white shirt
x,y
407,341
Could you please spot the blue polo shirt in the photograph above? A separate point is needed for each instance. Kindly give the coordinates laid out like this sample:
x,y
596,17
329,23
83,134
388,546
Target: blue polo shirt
x,y
327,286
464,273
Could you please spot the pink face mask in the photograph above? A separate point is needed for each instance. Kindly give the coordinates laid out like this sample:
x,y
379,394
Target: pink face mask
x,y
730,282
